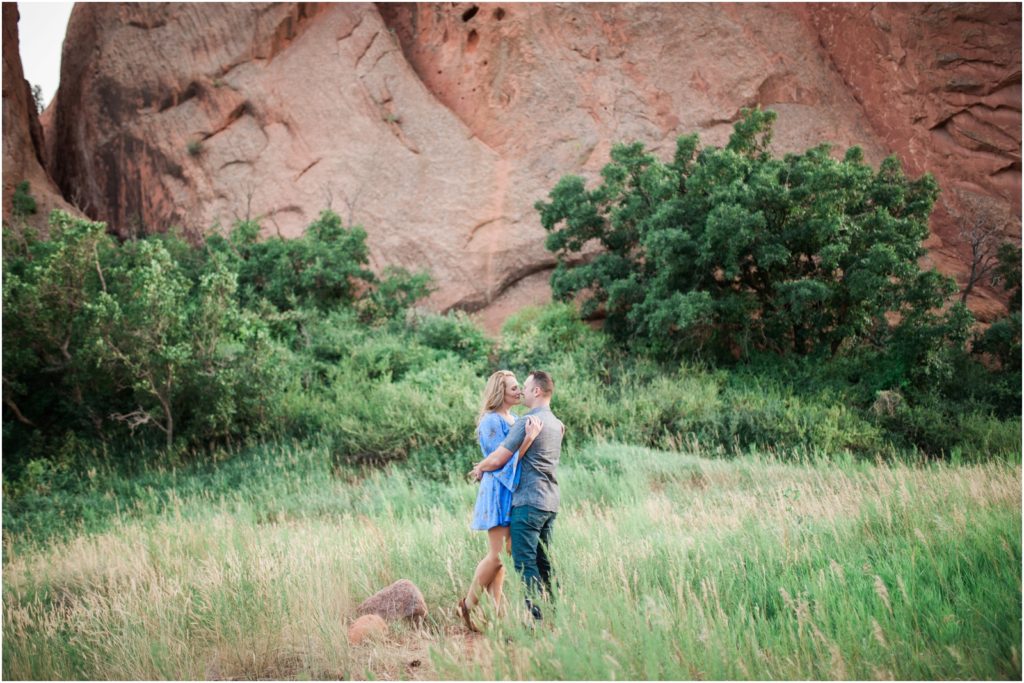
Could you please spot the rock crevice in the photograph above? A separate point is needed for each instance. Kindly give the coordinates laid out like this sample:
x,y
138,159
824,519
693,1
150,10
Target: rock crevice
x,y
24,146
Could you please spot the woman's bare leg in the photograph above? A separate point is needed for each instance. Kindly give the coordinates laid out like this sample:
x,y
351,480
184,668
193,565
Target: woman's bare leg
x,y
494,590
489,567
498,582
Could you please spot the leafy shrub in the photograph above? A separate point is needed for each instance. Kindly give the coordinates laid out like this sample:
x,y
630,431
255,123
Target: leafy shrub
x,y
49,369
390,357
453,332
727,251
939,430
395,293
22,201
535,336
1000,344
154,336
379,419
323,269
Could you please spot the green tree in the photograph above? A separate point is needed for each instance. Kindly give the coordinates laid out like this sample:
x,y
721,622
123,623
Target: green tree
x,y
47,287
1002,340
731,250
144,334
324,269
148,332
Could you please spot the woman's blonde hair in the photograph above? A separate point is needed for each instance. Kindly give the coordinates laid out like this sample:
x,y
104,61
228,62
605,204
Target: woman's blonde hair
x,y
494,392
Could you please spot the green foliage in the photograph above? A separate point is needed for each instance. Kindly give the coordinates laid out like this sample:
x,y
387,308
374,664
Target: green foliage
x,y
537,336
99,336
22,201
155,336
936,428
394,294
183,347
453,332
1002,340
49,363
324,269
194,148
1007,274
113,348
722,252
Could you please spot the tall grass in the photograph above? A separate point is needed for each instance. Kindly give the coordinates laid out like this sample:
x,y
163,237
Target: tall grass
x,y
669,565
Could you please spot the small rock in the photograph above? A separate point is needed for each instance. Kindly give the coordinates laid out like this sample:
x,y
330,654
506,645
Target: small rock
x,y
402,599
367,626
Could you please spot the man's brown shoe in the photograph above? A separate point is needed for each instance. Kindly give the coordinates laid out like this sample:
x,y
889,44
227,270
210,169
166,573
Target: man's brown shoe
x,y
464,610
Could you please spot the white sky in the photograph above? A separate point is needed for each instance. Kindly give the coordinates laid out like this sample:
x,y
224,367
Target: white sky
x,y
41,31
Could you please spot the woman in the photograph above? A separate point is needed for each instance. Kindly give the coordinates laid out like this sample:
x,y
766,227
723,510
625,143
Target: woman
x,y
494,499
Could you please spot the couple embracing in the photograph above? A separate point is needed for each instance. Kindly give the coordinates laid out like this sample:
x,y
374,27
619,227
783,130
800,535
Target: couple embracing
x,y
518,497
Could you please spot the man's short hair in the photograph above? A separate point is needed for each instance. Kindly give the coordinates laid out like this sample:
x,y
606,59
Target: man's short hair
x,y
543,381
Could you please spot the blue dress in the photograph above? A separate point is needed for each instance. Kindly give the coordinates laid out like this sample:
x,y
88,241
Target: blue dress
x,y
494,499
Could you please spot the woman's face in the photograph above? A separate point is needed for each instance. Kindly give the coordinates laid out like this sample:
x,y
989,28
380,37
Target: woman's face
x,y
513,394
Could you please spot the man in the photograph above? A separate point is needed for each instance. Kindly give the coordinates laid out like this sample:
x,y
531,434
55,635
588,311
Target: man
x,y
535,501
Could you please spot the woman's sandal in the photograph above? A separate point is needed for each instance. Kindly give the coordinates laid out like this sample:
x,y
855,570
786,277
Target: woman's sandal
x,y
464,610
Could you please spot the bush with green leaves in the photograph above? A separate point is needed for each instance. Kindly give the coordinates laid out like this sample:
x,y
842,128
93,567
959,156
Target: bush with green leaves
x,y
391,397
1001,342
453,332
22,201
324,269
155,337
536,336
50,380
724,251
181,347
99,336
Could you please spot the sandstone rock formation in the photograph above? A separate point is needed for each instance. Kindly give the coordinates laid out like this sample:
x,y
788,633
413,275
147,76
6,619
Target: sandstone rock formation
x,y
438,126
366,627
941,87
400,600
23,146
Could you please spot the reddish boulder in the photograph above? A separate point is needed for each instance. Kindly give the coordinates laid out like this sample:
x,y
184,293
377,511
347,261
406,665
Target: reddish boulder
x,y
367,627
400,600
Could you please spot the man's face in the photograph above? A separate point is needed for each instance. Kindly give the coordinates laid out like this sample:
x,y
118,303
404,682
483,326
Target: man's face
x,y
530,393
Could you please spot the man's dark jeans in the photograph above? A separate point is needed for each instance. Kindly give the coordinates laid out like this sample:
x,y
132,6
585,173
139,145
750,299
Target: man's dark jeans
x,y
531,535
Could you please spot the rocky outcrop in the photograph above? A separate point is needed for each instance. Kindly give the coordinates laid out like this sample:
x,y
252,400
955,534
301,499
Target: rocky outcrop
x,y
438,126
23,147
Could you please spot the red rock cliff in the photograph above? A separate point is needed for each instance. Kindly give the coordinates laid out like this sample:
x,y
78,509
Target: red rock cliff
x,y
438,126
23,147
941,86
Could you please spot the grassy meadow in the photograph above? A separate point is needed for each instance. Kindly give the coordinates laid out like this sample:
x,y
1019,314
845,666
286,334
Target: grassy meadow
x,y
791,454
671,565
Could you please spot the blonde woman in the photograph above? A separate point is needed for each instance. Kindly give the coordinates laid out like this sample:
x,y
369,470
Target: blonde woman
x,y
494,499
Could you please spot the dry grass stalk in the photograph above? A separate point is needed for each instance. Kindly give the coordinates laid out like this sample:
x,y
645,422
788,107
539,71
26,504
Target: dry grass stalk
x,y
882,592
